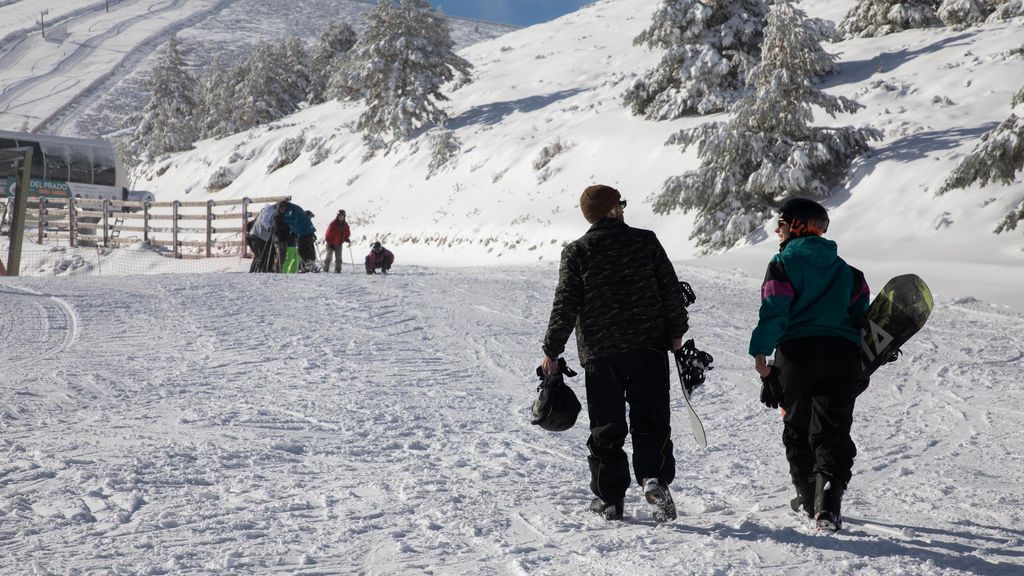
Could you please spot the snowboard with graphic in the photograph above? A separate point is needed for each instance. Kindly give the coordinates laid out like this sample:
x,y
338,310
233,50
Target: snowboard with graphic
x,y
895,315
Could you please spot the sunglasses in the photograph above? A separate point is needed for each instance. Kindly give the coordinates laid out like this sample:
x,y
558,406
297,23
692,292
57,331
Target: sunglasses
x,y
622,203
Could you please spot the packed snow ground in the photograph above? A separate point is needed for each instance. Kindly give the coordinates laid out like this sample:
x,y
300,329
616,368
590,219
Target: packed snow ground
x,y
353,424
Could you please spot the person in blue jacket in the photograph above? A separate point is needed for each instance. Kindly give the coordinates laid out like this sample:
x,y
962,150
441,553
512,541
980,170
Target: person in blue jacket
x,y
298,221
812,305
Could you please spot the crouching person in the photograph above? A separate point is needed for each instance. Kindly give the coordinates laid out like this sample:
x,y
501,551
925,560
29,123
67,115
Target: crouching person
x,y
379,258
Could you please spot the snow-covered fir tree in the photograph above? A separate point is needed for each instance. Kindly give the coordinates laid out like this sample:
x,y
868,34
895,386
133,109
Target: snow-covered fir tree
x,y
709,45
294,70
996,158
880,17
217,114
262,94
399,64
333,45
768,150
167,122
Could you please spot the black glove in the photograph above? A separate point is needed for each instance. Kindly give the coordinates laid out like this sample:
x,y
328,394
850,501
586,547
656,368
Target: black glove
x,y
771,388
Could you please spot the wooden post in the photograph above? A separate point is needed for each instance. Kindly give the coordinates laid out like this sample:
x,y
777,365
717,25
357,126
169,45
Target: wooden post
x,y
145,223
106,223
209,228
174,228
72,225
245,229
17,229
42,218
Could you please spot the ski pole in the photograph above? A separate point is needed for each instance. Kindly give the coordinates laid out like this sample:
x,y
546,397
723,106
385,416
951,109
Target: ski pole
x,y
351,257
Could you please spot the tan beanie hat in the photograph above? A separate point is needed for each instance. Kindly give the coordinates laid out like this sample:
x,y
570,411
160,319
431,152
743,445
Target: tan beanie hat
x,y
597,200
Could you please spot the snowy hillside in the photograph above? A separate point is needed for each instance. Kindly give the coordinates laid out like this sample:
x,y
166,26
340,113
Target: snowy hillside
x,y
87,74
932,92
353,424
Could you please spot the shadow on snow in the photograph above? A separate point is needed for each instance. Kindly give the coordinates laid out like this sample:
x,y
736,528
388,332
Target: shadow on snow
x,y
495,112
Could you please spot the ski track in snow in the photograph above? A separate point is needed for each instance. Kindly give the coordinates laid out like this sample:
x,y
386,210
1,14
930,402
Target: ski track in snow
x,y
348,424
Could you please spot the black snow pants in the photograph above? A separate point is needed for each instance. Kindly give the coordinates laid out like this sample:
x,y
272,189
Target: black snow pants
x,y
641,378
821,377
306,247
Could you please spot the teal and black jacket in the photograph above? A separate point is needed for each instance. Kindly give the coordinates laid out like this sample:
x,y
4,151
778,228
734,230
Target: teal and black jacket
x,y
809,291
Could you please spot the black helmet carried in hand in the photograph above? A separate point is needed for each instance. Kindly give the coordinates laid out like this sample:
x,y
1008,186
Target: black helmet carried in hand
x,y
556,407
804,216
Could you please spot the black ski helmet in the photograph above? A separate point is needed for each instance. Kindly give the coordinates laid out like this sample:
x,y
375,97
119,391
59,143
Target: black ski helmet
x,y
556,407
805,216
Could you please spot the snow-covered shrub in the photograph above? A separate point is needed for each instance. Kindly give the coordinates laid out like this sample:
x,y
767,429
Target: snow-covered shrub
x,y
767,151
881,17
1009,222
287,152
1007,9
548,153
962,13
996,158
444,146
709,47
221,178
320,150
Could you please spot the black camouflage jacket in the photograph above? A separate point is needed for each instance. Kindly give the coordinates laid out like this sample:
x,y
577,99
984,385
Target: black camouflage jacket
x,y
618,289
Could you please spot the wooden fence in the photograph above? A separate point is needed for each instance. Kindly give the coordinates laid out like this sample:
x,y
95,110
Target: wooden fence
x,y
203,229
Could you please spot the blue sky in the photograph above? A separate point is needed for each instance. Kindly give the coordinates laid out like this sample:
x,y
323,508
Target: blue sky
x,y
518,12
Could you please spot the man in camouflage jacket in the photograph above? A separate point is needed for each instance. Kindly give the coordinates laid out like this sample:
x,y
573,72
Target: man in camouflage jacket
x,y
618,290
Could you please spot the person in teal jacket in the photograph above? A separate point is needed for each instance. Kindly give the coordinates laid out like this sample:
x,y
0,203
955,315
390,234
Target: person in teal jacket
x,y
812,305
301,225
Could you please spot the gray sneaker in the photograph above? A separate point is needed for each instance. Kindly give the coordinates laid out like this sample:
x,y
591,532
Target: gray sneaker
x,y
660,499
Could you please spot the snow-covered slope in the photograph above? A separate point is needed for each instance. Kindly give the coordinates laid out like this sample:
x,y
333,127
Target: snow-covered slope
x,y
933,93
88,73
353,424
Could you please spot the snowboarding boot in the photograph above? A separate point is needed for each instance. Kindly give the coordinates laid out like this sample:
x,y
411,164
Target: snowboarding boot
x,y
608,510
660,499
804,499
828,499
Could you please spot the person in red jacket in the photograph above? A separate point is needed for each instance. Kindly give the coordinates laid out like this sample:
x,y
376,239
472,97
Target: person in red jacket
x,y
338,233
379,257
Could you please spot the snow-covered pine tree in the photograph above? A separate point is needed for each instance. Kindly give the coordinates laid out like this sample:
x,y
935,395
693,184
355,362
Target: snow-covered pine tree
x,y
216,116
768,151
400,63
261,95
881,17
709,45
294,71
996,158
334,43
167,122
